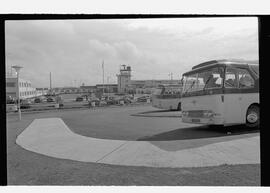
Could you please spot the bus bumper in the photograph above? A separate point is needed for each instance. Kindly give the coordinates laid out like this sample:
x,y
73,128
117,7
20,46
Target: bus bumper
x,y
205,121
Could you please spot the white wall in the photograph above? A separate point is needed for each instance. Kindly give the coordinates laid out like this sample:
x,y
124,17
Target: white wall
x,y
25,88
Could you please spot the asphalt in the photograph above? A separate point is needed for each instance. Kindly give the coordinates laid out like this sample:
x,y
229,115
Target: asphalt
x,y
52,137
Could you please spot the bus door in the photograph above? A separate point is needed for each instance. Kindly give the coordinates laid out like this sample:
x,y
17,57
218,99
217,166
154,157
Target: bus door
x,y
232,97
247,87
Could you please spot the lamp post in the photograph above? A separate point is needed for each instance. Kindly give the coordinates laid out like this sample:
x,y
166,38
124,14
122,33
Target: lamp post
x,y
17,69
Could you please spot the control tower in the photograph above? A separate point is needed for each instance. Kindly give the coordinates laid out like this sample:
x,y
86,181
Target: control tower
x,y
123,79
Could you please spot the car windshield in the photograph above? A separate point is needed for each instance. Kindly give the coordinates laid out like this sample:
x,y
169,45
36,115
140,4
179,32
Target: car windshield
x,y
206,79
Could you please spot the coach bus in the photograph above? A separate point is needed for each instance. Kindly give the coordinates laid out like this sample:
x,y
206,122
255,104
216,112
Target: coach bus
x,y
167,97
222,92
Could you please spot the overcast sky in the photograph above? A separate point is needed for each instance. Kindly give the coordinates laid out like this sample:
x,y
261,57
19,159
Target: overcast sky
x,y
73,50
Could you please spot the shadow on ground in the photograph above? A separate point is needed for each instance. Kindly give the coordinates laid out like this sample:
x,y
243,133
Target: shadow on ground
x,y
194,137
199,132
159,113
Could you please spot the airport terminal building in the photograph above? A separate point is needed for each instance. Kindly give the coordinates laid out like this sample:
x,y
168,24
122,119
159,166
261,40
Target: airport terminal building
x,y
126,85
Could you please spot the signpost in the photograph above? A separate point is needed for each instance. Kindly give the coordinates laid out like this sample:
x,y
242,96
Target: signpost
x,y
17,69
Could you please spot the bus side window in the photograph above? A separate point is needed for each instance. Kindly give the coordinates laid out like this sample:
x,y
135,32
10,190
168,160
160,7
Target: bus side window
x,y
245,79
230,78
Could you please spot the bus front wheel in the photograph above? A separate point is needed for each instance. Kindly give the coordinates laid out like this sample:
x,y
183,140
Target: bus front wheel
x,y
253,116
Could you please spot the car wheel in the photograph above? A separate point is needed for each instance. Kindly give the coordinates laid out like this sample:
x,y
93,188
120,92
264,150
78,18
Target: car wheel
x,y
253,116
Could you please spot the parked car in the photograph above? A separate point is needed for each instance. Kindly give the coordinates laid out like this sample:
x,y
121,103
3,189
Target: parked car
x,y
11,107
102,103
10,100
112,101
79,98
25,104
127,100
96,101
50,99
37,100
144,99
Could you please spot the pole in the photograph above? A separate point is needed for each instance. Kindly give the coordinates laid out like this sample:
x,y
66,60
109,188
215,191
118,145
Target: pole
x,y
108,81
103,76
50,82
19,102
171,74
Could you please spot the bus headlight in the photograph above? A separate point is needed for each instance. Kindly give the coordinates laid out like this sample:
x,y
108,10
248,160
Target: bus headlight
x,y
208,114
185,113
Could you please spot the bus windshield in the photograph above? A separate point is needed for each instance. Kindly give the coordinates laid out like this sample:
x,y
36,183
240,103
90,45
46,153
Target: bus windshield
x,y
168,90
158,91
206,79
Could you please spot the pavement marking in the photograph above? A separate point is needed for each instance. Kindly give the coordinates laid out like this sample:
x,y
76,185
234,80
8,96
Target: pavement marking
x,y
52,137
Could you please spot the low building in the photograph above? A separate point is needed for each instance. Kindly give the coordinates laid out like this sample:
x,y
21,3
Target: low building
x,y
88,89
152,83
148,86
25,88
126,85
108,88
42,91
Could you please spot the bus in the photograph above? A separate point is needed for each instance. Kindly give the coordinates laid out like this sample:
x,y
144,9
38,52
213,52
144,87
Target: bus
x,y
167,97
222,92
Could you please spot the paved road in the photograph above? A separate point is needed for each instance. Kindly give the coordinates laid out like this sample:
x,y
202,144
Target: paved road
x,y
163,142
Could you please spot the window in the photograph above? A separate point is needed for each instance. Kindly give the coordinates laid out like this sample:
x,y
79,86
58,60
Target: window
x,y
245,79
231,78
10,84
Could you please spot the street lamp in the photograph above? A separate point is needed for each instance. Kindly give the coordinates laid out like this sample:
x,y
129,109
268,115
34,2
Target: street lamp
x,y
17,69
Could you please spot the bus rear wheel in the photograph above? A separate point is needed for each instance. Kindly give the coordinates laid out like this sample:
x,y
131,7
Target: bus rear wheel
x,y
253,116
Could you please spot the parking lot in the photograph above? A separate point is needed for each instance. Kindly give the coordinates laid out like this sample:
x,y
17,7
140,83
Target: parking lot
x,y
72,101
164,131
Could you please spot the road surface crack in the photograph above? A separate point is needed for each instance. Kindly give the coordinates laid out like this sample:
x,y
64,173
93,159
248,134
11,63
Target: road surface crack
x,y
111,152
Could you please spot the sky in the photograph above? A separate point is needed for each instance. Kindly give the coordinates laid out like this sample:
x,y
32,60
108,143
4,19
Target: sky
x,y
73,50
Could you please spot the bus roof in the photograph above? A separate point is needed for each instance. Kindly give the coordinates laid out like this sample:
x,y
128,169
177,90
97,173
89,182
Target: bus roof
x,y
225,62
